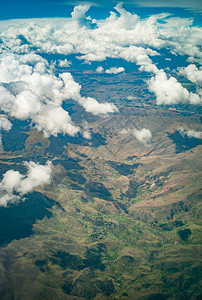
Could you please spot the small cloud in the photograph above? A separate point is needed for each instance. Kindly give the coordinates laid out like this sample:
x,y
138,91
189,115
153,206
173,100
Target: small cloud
x,y
93,106
5,123
79,11
99,69
143,135
85,132
114,70
170,91
190,133
64,63
14,185
130,98
195,98
192,73
125,131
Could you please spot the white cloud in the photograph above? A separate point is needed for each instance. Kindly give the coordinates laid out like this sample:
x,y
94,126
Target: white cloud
x,y
170,91
177,22
71,89
32,59
130,98
64,63
121,29
14,185
11,180
53,120
85,132
125,131
8,199
121,35
143,135
5,123
99,69
112,70
140,56
11,69
195,99
91,105
79,11
37,176
79,15
34,92
28,94
115,70
190,133
192,73
25,105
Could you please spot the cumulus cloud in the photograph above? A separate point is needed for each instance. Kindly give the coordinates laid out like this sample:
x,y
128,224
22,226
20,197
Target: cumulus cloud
x,y
195,98
86,132
167,91
120,29
8,199
192,73
170,91
79,11
122,35
39,63
53,120
91,105
12,69
143,135
27,93
64,63
99,69
5,124
79,15
190,133
15,185
112,70
115,70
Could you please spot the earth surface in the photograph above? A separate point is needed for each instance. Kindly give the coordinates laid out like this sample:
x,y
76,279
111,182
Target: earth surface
x,y
121,216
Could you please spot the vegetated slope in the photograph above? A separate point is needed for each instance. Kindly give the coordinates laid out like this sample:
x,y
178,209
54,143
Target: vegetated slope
x,y
128,224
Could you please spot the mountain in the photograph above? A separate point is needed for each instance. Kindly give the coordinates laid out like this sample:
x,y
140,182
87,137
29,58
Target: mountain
x,y
121,219
100,150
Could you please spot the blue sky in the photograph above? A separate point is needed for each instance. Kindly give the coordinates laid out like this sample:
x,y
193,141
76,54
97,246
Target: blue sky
x,y
100,9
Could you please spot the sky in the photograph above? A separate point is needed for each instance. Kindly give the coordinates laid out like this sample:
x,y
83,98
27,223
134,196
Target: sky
x,y
58,8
